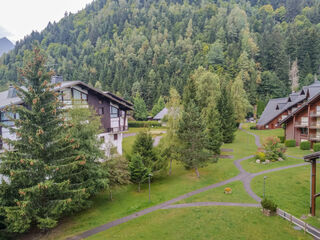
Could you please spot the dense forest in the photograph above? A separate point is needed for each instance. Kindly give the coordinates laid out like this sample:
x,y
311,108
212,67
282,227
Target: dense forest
x,y
146,47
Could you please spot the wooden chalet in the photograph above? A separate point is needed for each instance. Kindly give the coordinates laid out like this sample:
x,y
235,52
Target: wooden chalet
x,y
112,109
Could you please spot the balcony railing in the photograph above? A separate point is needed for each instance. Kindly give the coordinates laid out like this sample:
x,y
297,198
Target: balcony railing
x,y
117,129
315,125
314,137
314,114
301,124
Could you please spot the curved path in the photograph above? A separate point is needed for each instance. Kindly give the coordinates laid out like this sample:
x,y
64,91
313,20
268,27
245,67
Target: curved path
x,y
243,176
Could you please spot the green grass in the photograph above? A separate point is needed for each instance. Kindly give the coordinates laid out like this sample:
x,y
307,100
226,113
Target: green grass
x,y
203,223
127,200
297,152
127,144
238,195
290,189
243,145
263,134
251,166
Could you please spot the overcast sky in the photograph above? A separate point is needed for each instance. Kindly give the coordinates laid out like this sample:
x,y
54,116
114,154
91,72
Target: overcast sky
x,y
19,17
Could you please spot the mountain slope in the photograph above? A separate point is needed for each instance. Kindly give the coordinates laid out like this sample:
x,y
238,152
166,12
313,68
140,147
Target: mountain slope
x,y
147,47
5,45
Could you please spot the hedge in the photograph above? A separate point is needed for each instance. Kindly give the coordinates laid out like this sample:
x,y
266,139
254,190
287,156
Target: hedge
x,y
146,124
281,139
305,145
316,147
290,143
253,127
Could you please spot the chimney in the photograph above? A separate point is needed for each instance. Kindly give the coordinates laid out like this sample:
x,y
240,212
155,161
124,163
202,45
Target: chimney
x,y
12,92
56,79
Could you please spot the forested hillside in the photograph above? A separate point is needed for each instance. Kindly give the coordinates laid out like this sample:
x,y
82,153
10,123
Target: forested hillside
x,y
148,46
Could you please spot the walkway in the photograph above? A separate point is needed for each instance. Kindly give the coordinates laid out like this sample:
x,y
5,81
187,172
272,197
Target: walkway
x,y
243,176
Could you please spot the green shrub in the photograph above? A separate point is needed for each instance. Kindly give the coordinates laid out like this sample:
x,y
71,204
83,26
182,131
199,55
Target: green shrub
x,y
145,124
261,156
281,139
253,127
316,147
305,145
274,149
290,143
269,204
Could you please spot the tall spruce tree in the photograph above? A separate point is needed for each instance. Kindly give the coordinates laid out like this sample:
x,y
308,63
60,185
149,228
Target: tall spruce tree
x,y
227,115
191,131
30,193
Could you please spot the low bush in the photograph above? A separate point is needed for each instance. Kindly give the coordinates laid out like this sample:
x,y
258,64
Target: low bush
x,y
261,156
316,147
281,139
269,204
253,127
305,145
141,124
290,143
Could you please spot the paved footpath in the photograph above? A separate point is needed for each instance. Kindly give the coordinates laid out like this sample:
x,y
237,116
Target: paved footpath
x,y
243,176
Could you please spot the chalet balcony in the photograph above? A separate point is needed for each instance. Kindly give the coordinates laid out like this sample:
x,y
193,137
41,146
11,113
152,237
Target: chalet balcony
x,y
117,129
314,137
314,114
301,125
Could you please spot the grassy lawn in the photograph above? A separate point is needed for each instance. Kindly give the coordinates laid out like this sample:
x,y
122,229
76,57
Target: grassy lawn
x,y
238,195
290,189
127,200
203,223
154,129
263,134
297,152
251,166
127,144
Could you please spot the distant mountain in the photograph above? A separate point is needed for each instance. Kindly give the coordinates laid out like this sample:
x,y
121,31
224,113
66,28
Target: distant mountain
x,y
5,45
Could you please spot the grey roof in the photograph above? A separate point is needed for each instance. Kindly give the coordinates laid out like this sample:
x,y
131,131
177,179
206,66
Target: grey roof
x,y
270,112
161,114
7,101
275,107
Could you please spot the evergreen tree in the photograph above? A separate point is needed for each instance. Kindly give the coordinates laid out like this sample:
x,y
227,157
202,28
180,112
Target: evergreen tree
x,y
213,131
88,175
158,106
191,131
227,115
138,171
118,172
31,191
140,108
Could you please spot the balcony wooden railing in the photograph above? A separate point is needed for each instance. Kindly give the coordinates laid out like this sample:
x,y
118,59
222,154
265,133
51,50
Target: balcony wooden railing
x,y
314,137
117,129
315,125
301,124
314,114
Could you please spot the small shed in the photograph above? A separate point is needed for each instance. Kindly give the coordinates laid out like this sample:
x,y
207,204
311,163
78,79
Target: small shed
x,y
161,114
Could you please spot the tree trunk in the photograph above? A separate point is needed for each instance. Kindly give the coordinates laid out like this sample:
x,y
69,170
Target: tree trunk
x,y
197,172
139,187
170,169
110,195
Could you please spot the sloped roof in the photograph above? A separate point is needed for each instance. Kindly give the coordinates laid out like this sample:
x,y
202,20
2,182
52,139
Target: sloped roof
x,y
270,112
161,114
5,101
276,106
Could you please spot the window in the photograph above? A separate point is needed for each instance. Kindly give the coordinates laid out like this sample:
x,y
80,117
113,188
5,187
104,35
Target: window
x,y
102,139
114,112
79,97
115,137
6,118
101,110
304,131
